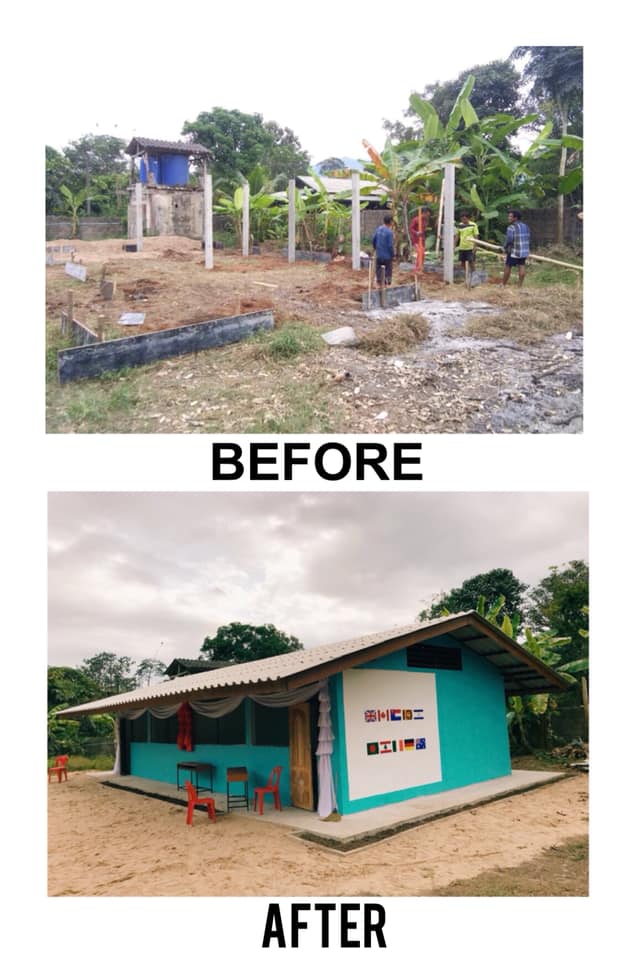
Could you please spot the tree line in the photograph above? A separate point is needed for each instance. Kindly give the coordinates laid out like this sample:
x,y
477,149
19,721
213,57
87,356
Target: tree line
x,y
536,88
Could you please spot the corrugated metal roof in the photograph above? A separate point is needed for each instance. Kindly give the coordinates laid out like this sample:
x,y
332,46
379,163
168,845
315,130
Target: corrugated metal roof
x,y
523,672
139,144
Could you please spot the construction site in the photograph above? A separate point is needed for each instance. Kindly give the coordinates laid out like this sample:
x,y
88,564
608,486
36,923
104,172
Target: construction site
x,y
449,358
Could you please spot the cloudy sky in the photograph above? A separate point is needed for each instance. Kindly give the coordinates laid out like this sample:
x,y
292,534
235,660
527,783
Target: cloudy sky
x,y
152,574
330,73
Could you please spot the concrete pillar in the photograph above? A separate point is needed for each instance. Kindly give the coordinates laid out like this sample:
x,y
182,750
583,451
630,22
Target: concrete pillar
x,y
292,221
207,211
449,211
355,220
245,219
138,205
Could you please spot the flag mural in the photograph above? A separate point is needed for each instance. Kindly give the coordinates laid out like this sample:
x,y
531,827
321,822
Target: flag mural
x,y
391,730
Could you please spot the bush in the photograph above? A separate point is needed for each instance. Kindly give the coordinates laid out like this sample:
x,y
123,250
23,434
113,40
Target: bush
x,y
290,340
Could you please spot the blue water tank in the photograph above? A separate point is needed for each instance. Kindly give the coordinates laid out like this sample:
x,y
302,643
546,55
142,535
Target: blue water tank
x,y
174,170
153,169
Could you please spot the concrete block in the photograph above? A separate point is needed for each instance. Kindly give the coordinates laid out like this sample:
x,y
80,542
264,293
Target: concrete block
x,y
76,270
392,297
341,337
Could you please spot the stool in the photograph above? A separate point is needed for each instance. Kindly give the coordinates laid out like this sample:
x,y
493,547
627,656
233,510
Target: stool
x,y
238,775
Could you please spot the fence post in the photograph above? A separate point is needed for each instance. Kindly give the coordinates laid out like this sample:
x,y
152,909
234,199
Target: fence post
x,y
355,220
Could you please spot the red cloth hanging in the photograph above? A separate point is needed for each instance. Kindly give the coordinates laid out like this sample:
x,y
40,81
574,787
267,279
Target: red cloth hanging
x,y
185,727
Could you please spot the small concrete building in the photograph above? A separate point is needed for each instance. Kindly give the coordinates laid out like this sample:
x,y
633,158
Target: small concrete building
x,y
172,205
355,724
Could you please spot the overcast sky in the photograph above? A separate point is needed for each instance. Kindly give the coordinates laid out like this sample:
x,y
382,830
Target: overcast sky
x,y
330,73
152,574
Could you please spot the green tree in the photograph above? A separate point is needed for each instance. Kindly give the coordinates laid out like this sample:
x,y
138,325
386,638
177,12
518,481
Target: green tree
x,y
559,604
110,673
489,589
283,159
243,642
148,670
92,156
555,75
72,202
496,90
69,686
239,141
58,170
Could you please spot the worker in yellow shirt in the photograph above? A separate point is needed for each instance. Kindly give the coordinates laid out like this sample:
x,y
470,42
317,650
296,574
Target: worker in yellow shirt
x,y
465,234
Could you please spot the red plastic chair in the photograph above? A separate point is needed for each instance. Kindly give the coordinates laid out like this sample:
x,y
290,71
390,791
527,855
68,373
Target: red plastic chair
x,y
195,799
273,786
59,767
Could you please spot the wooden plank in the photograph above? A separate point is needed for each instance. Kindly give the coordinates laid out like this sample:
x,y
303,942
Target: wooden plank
x,y
92,360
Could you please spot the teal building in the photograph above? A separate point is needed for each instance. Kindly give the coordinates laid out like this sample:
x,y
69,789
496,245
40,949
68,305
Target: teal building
x,y
354,724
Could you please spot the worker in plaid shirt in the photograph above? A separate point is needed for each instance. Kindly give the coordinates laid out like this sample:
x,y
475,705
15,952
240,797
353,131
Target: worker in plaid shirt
x,y
516,246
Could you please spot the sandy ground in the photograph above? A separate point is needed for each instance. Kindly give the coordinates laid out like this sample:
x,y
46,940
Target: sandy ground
x,y
105,842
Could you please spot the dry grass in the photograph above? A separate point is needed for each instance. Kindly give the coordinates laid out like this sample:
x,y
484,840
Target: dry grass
x,y
560,871
396,334
528,316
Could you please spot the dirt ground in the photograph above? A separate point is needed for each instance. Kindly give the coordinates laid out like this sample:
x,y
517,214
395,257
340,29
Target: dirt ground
x,y
106,842
522,374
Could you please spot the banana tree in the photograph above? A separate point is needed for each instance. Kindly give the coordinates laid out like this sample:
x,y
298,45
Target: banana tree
x,y
323,216
266,216
73,202
495,177
412,170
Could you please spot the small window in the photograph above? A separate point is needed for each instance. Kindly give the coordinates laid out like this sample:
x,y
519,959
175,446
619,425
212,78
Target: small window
x,y
433,657
270,726
231,727
165,730
138,729
205,729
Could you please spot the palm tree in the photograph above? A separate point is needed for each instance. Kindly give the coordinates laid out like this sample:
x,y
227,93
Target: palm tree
x,y
556,76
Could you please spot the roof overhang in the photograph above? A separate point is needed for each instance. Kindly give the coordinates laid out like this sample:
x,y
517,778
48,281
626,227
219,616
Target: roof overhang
x,y
522,672
141,145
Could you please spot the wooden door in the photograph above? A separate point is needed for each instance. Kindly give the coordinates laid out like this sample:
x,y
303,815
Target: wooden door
x,y
300,772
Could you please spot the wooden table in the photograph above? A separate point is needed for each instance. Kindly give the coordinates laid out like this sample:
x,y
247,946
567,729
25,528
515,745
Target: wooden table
x,y
196,768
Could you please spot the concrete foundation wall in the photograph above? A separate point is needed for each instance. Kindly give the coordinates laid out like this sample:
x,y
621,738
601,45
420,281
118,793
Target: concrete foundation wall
x,y
90,361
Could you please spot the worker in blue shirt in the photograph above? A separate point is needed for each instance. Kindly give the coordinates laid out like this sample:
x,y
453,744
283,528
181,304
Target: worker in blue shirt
x,y
382,241
516,247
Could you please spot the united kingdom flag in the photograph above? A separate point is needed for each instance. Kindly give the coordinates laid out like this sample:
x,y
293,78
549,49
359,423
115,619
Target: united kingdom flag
x,y
370,716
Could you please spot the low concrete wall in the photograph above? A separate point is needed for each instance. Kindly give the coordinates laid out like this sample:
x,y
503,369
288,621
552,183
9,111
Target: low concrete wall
x,y
89,228
77,363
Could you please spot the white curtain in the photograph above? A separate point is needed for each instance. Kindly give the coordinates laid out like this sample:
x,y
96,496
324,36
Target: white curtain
x,y
223,705
116,759
324,751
